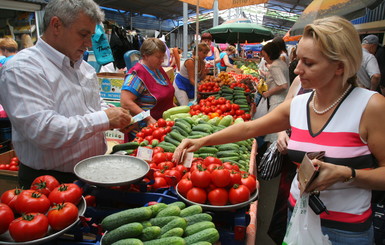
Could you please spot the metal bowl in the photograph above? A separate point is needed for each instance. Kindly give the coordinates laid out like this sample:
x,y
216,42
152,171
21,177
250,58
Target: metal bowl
x,y
51,234
111,170
253,197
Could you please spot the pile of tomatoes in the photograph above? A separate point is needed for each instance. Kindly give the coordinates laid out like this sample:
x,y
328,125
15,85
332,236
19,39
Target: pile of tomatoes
x,y
218,107
156,131
13,165
28,214
213,182
208,87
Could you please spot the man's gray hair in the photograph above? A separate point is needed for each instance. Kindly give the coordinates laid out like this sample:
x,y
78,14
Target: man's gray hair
x,y
68,11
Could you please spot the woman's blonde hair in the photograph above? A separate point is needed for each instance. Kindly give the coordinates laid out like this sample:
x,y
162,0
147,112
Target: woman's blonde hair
x,y
231,48
339,41
151,46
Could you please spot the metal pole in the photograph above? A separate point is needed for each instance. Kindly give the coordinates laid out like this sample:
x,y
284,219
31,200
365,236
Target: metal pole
x,y
216,13
196,55
185,30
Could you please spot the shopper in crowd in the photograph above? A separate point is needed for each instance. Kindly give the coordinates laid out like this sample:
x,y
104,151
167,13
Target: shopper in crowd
x,y
284,55
380,56
213,55
26,41
293,64
339,118
369,74
52,96
277,80
185,80
147,86
225,58
9,48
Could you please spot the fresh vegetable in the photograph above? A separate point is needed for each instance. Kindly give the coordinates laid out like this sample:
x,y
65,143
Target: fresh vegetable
x,y
31,201
191,210
66,193
177,222
197,227
128,241
177,231
9,197
127,216
218,197
150,233
62,215
239,194
7,216
199,217
169,211
29,227
209,235
45,184
129,230
167,240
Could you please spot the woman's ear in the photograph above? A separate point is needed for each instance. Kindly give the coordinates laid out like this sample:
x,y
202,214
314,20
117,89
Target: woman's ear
x,y
340,68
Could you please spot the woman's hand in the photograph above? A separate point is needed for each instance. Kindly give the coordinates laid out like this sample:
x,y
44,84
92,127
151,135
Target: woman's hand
x,y
150,120
282,141
190,145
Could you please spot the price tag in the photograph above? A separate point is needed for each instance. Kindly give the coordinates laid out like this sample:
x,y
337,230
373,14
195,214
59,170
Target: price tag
x,y
144,153
187,159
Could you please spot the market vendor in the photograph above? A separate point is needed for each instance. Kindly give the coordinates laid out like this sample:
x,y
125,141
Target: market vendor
x,y
225,60
52,96
147,86
185,80
212,56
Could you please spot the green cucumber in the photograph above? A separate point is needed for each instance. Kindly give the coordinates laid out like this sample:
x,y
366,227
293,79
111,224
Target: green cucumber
x,y
229,146
204,155
125,146
223,154
180,130
150,233
177,231
208,235
174,240
146,223
125,231
115,220
207,128
185,126
162,221
199,133
202,243
144,143
197,136
191,210
167,147
192,219
197,227
189,120
169,139
208,149
128,241
171,210
176,135
156,208
180,204
229,159
177,222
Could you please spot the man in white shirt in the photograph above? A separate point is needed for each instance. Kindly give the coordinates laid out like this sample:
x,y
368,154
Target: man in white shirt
x,y
52,96
369,74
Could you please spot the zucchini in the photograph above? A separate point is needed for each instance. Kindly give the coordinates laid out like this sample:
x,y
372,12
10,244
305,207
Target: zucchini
x,y
208,235
191,210
128,241
162,221
192,219
177,231
171,210
179,115
177,222
176,135
115,220
166,240
150,233
125,231
180,204
197,227
125,146
175,110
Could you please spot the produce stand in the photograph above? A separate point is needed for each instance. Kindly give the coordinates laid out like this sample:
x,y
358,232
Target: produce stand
x,y
8,179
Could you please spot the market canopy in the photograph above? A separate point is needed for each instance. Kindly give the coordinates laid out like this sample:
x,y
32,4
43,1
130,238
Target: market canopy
x,y
240,32
224,4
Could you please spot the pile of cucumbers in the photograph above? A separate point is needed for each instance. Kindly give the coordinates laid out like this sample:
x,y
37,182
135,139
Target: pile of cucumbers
x,y
236,96
159,224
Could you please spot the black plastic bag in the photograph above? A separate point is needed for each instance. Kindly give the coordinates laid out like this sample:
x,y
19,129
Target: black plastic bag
x,y
270,165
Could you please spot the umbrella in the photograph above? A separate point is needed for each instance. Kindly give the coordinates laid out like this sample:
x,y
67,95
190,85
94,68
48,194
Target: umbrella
x,y
349,9
240,33
224,4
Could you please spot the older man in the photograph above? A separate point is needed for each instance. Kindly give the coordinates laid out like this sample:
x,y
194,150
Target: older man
x,y
369,74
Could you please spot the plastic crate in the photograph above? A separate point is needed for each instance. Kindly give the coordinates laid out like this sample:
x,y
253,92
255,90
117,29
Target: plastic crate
x,y
5,146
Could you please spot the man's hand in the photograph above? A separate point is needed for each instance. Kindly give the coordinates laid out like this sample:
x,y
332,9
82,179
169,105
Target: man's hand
x,y
119,117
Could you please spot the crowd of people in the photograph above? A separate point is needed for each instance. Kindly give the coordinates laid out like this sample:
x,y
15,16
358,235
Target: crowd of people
x,y
58,117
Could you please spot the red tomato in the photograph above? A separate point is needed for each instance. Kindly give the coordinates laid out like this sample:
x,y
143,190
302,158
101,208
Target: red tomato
x,y
62,215
16,159
231,166
140,135
66,193
13,168
218,197
9,197
212,167
158,133
235,107
7,216
197,195
169,156
160,182
29,227
2,167
184,186
210,160
166,165
149,138
161,122
220,177
181,168
159,157
90,200
239,194
45,184
170,123
13,163
235,178
167,129
31,201
172,176
239,112
221,100
147,131
201,178
157,149
249,182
